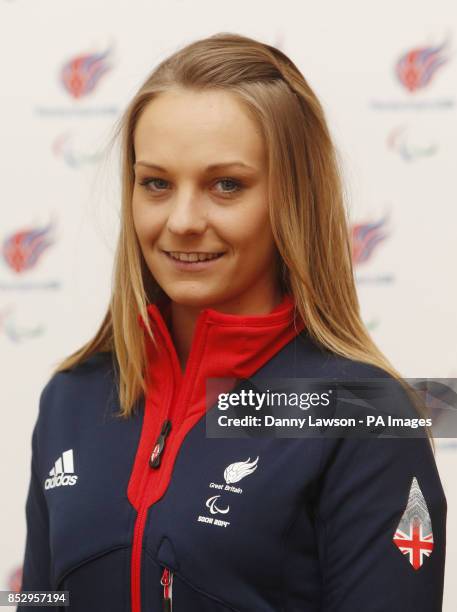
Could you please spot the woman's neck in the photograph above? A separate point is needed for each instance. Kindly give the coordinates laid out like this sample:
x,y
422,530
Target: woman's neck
x,y
183,318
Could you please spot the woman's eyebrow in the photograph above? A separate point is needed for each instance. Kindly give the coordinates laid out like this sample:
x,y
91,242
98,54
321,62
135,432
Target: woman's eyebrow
x,y
207,169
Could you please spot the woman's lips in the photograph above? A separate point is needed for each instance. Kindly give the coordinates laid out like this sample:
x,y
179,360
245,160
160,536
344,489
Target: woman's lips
x,y
192,265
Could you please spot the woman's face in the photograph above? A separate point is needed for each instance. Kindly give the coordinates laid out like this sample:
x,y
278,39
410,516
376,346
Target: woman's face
x,y
184,203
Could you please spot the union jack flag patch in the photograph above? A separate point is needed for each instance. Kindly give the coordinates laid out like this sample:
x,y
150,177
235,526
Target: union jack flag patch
x,y
414,535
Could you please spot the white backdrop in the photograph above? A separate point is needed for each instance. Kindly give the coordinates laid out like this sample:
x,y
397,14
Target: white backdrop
x,y
396,135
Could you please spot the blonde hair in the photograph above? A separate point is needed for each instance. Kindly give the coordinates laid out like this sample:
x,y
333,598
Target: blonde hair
x,y
306,203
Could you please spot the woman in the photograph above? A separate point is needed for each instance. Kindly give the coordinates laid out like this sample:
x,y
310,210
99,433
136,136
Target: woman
x,y
227,159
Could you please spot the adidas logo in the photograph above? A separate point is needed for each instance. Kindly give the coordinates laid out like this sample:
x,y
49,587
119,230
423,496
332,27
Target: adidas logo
x,y
62,473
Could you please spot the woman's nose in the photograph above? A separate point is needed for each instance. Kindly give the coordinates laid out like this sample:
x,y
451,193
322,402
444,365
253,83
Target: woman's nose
x,y
187,215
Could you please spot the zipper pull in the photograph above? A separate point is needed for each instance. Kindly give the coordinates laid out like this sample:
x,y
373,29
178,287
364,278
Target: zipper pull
x,y
154,459
166,581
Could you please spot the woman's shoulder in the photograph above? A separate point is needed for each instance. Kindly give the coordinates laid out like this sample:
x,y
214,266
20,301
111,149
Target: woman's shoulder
x,y
98,364
86,383
304,357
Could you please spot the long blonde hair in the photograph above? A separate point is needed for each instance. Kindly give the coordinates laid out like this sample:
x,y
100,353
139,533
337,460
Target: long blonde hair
x,y
306,203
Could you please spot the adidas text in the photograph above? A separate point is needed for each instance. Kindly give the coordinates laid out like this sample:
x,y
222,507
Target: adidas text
x,y
60,481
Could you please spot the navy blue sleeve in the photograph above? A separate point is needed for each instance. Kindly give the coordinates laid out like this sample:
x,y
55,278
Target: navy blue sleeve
x,y
381,526
37,558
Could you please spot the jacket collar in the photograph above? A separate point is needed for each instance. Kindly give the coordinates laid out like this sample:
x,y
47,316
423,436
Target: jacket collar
x,y
226,347
223,346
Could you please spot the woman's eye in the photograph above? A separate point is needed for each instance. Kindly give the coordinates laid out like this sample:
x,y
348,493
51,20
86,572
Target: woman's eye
x,y
157,185
148,181
232,182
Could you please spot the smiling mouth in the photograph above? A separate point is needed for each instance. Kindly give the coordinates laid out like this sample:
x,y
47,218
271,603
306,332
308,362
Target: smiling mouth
x,y
193,257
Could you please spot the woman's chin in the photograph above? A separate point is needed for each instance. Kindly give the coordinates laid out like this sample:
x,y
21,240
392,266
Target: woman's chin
x,y
192,298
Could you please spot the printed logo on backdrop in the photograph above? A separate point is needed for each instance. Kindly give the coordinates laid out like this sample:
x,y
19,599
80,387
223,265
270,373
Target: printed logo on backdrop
x,y
73,152
366,240
24,255
417,69
81,74
233,473
412,144
23,249
14,579
372,324
81,77
16,331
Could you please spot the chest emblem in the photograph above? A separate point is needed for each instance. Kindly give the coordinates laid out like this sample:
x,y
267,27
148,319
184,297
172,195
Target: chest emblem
x,y
236,471
213,508
233,473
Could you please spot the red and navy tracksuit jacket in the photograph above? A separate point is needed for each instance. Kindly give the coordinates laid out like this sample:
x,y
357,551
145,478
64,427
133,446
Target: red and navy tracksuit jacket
x,y
114,508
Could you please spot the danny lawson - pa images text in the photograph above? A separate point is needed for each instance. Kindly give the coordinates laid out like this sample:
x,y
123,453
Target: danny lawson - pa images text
x,y
310,421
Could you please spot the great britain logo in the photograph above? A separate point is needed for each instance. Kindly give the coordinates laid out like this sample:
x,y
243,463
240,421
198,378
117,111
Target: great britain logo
x,y
416,68
236,471
23,249
233,473
81,73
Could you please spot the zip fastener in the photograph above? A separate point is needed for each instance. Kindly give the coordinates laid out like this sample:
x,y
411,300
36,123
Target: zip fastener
x,y
142,515
156,455
167,575
158,450
167,582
